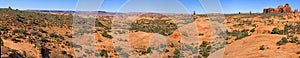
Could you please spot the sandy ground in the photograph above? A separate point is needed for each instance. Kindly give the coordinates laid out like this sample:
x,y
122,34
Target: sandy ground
x,y
249,48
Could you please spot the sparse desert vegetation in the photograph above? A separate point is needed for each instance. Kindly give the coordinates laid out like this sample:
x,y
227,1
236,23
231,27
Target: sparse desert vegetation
x,y
154,26
262,47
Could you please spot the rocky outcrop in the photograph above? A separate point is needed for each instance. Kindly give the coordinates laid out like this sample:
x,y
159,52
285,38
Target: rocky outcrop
x,y
280,9
296,11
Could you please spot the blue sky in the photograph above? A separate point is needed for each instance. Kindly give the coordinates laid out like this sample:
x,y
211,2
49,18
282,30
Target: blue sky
x,y
228,6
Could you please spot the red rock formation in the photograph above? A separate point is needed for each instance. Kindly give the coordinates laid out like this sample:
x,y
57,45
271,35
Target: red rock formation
x,y
296,11
269,10
287,8
280,9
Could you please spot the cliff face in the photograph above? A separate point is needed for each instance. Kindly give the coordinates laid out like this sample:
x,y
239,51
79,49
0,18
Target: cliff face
x,y
280,9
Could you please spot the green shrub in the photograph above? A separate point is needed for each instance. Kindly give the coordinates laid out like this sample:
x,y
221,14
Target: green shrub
x,y
124,54
282,41
204,52
53,35
87,51
77,46
62,46
1,42
99,24
252,30
29,57
262,47
43,31
204,44
233,33
144,52
298,28
298,52
118,49
30,40
63,52
13,39
205,48
103,53
97,54
44,39
39,35
3,28
104,34
68,43
149,50
69,36
286,28
177,53
15,31
294,40
70,56
23,31
277,31
32,22
238,34
61,37
24,53
20,36
34,33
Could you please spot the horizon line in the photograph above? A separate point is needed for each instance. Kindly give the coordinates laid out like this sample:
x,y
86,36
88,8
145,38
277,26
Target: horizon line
x,y
125,12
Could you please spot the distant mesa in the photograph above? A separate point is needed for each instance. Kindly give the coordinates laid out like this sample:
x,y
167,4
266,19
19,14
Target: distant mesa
x,y
153,15
280,9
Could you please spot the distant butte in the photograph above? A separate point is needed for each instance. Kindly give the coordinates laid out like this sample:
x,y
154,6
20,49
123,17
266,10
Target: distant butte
x,y
280,9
